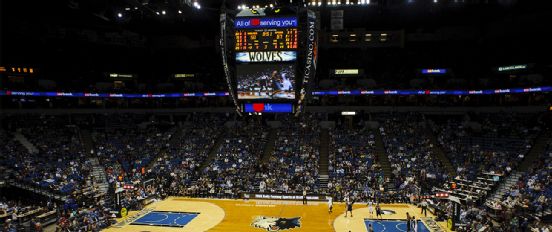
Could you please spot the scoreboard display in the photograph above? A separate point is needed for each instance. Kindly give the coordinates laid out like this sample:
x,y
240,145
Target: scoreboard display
x,y
266,53
269,57
269,39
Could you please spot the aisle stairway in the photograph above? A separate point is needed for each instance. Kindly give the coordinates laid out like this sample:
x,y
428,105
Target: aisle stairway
x,y
31,148
383,160
323,182
86,140
504,186
324,160
98,172
269,146
538,148
173,142
213,151
439,153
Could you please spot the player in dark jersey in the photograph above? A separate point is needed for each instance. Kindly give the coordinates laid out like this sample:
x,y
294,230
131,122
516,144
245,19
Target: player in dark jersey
x,y
276,81
408,222
263,85
378,211
349,206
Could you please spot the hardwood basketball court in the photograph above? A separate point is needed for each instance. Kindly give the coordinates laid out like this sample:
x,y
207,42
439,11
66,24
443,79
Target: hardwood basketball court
x,y
242,215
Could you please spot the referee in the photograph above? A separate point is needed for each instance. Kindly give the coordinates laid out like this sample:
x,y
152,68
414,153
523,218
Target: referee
x,y
424,208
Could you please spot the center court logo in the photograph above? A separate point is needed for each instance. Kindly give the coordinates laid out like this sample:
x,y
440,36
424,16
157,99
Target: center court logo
x,y
387,212
276,223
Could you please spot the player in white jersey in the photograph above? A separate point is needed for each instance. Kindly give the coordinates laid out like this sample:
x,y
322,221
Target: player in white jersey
x,y
286,84
330,204
371,208
263,85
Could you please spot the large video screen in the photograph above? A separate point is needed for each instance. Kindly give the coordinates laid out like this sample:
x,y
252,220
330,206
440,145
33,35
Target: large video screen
x,y
266,52
266,81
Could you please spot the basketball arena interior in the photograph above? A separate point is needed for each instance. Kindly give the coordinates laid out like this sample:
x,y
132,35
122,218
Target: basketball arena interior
x,y
275,115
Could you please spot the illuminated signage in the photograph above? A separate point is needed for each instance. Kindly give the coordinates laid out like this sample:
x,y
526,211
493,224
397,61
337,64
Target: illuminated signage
x,y
18,70
309,69
184,75
283,22
348,113
284,196
434,71
346,72
542,89
512,67
121,76
268,108
266,56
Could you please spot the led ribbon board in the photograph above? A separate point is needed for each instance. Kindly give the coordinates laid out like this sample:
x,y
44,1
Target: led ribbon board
x,y
268,108
542,89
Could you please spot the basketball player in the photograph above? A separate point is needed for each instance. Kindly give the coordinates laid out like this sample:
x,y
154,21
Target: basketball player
x,y
263,86
378,211
251,88
370,228
346,204
349,205
276,85
371,208
408,222
414,224
259,88
286,84
330,204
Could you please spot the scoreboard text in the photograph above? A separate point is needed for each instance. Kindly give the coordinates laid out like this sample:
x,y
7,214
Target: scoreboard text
x,y
266,39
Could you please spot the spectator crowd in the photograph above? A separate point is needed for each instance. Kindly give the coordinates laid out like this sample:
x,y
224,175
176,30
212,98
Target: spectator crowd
x,y
216,155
